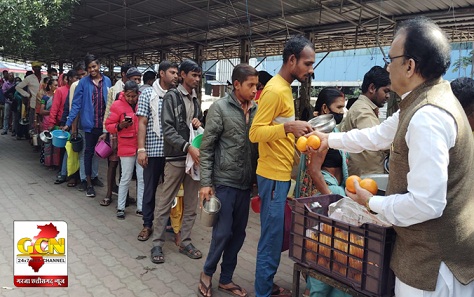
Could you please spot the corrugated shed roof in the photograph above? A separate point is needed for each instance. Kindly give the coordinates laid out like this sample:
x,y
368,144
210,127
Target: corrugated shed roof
x,y
145,30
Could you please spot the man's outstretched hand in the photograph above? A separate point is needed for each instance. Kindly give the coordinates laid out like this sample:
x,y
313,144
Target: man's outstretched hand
x,y
298,128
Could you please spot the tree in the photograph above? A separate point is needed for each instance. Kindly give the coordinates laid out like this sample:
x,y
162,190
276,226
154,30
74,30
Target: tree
x,y
32,29
462,63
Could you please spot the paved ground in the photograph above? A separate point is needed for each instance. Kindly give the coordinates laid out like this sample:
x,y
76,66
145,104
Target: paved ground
x,y
103,252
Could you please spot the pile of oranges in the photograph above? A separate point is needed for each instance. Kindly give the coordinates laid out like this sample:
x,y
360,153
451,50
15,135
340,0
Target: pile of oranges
x,y
366,183
312,141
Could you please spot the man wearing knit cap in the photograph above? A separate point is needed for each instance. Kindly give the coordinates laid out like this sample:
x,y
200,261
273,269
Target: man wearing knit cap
x,y
135,75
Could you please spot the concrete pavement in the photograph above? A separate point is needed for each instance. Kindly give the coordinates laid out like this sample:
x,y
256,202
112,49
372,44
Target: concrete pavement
x,y
104,256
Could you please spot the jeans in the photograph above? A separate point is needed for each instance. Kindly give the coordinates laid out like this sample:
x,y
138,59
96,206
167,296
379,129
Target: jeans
x,y
15,121
6,116
228,234
31,118
273,195
91,139
63,172
128,164
152,175
2,114
95,162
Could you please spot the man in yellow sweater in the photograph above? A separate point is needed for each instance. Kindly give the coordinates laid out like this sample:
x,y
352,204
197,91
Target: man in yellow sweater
x,y
275,129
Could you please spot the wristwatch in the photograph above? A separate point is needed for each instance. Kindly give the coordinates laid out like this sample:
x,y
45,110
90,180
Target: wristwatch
x,y
368,206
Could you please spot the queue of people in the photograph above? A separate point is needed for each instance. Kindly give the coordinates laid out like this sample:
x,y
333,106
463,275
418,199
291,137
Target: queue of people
x,y
430,142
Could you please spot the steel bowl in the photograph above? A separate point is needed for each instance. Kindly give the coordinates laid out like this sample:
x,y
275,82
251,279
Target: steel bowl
x,y
381,180
24,122
46,136
34,139
209,211
324,123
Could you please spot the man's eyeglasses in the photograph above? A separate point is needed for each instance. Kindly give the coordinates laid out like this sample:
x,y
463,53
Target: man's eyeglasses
x,y
389,59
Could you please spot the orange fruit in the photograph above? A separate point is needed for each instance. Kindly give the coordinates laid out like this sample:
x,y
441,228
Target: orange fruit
x,y
370,185
350,183
313,142
301,143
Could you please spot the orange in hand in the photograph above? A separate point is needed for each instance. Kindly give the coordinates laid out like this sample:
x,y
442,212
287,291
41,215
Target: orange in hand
x,y
350,183
313,142
301,143
370,185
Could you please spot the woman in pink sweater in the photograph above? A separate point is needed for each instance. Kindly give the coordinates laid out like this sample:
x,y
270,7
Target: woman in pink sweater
x,y
123,121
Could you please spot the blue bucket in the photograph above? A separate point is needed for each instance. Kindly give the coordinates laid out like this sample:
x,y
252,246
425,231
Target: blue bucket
x,y
60,138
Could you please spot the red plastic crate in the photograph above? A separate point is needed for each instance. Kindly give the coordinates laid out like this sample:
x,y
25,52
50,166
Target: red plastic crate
x,y
356,256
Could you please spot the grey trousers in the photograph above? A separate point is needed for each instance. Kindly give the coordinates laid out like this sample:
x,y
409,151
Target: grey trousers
x,y
174,175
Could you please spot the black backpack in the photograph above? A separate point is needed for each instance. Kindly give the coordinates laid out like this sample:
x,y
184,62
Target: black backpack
x,y
9,94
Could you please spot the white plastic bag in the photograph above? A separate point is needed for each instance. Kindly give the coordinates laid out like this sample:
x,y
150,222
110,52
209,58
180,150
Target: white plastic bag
x,y
349,211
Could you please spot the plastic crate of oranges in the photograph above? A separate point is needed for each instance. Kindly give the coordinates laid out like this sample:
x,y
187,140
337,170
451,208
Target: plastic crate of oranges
x,y
358,256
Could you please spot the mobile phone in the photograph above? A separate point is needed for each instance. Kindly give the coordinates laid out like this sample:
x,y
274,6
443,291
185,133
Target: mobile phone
x,y
128,119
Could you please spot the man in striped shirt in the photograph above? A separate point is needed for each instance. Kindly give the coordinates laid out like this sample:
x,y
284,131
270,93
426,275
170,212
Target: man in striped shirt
x,y
150,140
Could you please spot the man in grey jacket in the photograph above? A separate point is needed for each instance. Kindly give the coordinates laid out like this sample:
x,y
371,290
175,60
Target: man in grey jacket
x,y
180,110
228,162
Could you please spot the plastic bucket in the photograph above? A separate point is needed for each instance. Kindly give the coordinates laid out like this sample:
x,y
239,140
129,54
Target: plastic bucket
x,y
197,141
60,138
103,149
77,143
255,204
210,211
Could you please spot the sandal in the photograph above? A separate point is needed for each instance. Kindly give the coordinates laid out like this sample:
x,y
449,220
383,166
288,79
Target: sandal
x,y
279,291
72,183
204,290
157,256
145,234
232,290
190,251
105,202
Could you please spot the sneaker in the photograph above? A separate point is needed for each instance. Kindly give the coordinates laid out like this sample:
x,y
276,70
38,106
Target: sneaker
x,y
4,132
139,213
97,183
82,186
120,214
90,191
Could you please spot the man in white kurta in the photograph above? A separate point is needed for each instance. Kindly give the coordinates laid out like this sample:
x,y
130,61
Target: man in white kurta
x,y
433,133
